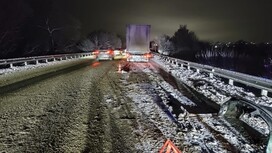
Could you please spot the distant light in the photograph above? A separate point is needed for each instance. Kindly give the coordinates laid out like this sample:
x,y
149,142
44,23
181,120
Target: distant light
x,y
215,46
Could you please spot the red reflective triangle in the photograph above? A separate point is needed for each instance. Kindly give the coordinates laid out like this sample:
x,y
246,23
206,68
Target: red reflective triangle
x,y
170,147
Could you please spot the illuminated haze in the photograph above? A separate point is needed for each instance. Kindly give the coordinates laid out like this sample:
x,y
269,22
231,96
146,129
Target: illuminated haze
x,y
212,20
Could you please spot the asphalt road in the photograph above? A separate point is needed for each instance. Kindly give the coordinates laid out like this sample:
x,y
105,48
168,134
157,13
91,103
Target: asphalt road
x,y
67,112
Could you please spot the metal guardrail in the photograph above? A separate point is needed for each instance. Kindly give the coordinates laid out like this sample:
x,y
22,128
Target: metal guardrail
x,y
257,82
263,111
25,60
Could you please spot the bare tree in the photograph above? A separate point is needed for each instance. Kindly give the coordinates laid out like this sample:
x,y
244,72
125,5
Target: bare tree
x,y
87,45
32,49
100,40
50,30
13,14
115,41
104,40
93,37
166,46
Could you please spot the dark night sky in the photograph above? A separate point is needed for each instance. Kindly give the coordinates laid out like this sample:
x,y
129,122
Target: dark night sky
x,y
214,20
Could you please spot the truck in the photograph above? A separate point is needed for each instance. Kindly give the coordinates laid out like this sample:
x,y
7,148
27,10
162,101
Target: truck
x,y
137,43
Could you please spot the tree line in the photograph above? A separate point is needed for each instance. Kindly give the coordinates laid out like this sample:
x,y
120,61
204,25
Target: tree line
x,y
35,27
242,56
38,27
100,40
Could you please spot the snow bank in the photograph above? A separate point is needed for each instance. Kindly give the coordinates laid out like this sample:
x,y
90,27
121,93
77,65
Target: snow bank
x,y
213,88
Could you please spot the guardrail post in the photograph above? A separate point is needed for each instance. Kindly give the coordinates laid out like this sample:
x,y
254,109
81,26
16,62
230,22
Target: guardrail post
x,y
37,61
264,92
197,70
211,74
11,65
188,66
54,59
177,64
25,63
230,82
46,60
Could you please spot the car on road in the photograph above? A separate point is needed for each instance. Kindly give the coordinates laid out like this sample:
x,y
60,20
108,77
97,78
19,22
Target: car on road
x,y
118,54
104,54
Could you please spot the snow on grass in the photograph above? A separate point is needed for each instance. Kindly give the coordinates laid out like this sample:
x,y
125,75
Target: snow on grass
x,y
200,138
219,92
230,134
152,73
195,138
145,104
149,111
14,69
256,121
213,88
176,94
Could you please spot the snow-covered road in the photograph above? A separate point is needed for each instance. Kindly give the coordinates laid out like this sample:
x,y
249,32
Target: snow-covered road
x,y
94,108
200,132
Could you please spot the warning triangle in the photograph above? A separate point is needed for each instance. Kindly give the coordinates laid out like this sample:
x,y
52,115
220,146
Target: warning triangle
x,y
169,147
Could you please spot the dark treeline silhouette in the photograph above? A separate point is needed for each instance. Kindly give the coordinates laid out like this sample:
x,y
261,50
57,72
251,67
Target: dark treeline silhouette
x,y
36,27
241,56
100,40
